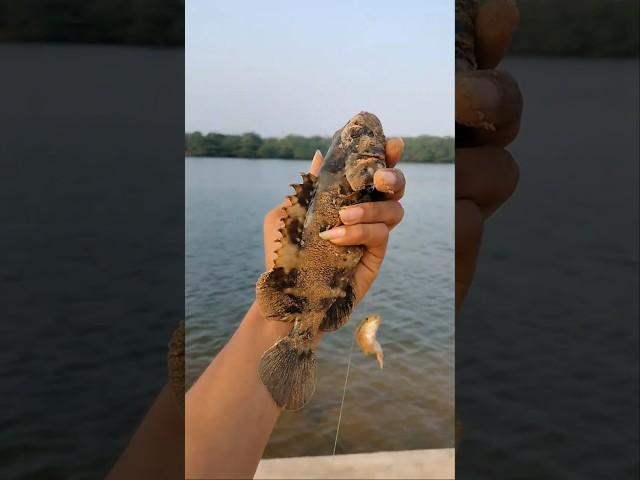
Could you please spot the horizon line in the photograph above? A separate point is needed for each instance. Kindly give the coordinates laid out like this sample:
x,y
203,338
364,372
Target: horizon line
x,y
451,135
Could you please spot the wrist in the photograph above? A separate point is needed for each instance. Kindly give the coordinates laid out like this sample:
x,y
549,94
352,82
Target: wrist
x,y
264,332
268,332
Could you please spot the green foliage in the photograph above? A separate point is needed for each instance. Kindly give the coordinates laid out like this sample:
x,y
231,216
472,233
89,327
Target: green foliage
x,y
428,149
592,28
250,143
423,149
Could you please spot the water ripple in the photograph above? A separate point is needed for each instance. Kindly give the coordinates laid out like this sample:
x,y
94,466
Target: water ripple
x,y
409,404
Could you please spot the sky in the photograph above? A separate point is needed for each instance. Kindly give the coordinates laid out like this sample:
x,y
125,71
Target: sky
x,y
301,67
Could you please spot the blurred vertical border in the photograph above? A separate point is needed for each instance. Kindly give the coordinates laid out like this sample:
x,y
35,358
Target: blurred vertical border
x,y
92,215
114,22
547,341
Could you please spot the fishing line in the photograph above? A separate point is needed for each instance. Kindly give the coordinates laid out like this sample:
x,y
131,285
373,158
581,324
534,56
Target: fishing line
x,y
344,392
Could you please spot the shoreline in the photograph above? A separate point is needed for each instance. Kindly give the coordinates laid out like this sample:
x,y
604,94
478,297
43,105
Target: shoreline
x,y
432,464
186,156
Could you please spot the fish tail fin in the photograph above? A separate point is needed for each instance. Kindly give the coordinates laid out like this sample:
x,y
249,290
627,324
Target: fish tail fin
x,y
377,348
289,373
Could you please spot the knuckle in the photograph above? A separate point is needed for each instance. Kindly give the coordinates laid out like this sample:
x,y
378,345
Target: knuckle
x,y
382,235
379,231
358,232
368,211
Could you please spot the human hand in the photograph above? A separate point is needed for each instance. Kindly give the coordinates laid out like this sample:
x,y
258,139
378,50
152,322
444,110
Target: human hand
x,y
486,174
366,224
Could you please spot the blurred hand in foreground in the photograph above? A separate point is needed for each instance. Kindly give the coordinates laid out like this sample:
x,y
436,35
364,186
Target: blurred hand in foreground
x,y
486,174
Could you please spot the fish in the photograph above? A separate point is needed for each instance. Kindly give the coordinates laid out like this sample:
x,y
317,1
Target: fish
x,y
366,337
311,282
466,11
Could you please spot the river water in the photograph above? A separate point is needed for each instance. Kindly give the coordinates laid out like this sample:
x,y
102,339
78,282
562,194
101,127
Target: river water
x,y
409,404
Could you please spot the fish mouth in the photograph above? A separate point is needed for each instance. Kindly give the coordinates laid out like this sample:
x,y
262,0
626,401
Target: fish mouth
x,y
370,321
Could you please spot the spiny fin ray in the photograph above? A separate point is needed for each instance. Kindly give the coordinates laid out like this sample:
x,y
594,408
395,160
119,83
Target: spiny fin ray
x,y
294,215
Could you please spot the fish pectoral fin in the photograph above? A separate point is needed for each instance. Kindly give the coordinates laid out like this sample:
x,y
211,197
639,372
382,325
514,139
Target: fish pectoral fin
x,y
271,294
339,312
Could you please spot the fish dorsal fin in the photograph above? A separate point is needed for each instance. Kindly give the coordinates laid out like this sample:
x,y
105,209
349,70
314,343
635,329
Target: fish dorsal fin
x,y
293,219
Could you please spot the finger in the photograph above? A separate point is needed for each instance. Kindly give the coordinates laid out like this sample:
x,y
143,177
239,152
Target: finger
x,y
390,181
487,99
486,175
374,236
316,163
495,24
365,273
388,212
469,226
393,150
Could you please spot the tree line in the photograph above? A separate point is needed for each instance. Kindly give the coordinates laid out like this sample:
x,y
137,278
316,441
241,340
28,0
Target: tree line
x,y
588,28
421,149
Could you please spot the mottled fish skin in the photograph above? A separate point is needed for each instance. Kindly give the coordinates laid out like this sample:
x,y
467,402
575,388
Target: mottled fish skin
x,y
466,11
311,282
465,57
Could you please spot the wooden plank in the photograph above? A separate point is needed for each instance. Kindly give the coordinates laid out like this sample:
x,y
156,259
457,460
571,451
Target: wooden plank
x,y
415,464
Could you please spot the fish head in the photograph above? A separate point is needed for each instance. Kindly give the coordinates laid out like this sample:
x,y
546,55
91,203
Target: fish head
x,y
367,330
357,151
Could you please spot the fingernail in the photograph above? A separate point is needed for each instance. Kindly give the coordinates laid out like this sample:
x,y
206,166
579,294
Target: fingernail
x,y
351,214
388,180
333,233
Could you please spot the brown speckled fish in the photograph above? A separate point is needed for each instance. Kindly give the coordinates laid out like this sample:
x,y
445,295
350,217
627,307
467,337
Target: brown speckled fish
x,y
466,11
310,285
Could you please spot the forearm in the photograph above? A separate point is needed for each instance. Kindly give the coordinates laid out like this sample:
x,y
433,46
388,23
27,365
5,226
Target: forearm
x,y
160,436
229,414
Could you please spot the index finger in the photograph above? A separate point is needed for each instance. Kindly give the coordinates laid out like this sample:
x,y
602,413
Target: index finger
x,y
393,151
